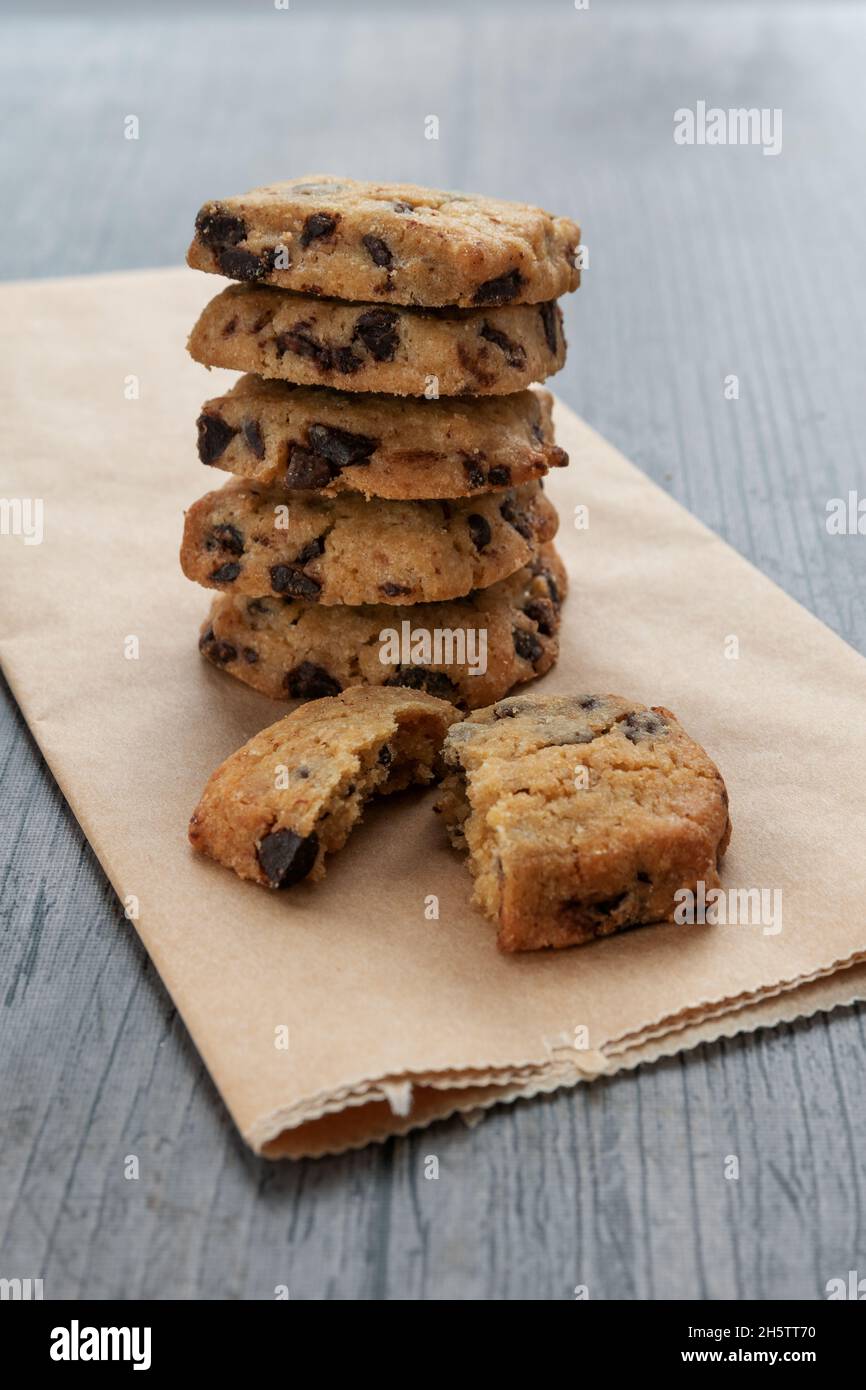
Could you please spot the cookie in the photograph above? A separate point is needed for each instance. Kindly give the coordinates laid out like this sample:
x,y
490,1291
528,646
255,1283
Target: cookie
x,y
247,540
291,796
312,439
392,243
470,651
581,814
369,347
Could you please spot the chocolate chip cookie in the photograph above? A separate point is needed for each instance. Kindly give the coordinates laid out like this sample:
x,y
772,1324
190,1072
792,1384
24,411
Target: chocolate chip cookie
x,y
247,540
394,243
581,814
312,439
291,796
469,651
375,347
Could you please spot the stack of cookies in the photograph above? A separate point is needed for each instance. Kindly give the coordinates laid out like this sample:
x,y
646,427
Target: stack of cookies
x,y
386,522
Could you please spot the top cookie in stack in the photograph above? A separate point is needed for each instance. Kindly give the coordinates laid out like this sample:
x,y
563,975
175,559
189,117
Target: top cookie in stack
x,y
353,500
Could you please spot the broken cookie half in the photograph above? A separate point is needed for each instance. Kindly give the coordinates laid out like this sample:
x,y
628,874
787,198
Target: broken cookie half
x,y
291,796
581,815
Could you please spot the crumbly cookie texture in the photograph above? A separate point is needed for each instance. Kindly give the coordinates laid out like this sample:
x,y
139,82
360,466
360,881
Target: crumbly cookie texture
x,y
315,440
291,796
470,651
374,347
581,814
394,243
336,550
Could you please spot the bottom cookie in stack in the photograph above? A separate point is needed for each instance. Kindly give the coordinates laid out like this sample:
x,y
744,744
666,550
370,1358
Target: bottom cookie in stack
x,y
471,651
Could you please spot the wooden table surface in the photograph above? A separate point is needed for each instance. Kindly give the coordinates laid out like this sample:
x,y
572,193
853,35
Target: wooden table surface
x,y
705,262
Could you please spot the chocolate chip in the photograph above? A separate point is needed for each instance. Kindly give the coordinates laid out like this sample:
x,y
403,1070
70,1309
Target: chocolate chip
x,y
285,579
643,878
377,329
527,645
253,436
417,678
378,250
244,265
226,574
515,355
219,229
542,612
224,536
250,655
385,757
499,476
307,471
286,858
644,724
310,551
393,590
318,225
474,472
310,682
304,344
403,207
214,437
588,702
516,518
548,319
346,361
479,530
220,652
341,447
500,290
552,587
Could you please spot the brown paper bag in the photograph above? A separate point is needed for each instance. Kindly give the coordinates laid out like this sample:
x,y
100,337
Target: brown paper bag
x,y
392,1019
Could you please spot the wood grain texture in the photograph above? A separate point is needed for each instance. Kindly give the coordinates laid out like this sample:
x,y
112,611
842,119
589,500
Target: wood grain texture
x,y
703,262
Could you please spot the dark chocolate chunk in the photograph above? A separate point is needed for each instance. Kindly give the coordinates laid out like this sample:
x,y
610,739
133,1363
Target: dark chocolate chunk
x,y
386,757
515,355
588,702
318,225
643,724
607,906
244,265
542,612
377,329
224,536
516,518
220,652
253,436
346,361
303,344
403,207
285,579
310,682
250,655
341,447
479,530
378,250
226,574
500,290
309,551
418,678
527,645
286,858
548,319
394,590
474,472
499,475
307,471
219,229
214,437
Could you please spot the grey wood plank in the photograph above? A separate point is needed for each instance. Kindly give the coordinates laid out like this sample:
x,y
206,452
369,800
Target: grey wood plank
x,y
703,262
